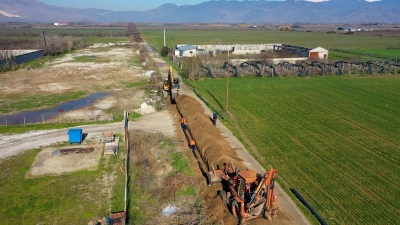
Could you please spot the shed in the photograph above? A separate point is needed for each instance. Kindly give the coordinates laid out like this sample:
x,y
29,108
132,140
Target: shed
x,y
187,50
318,53
75,135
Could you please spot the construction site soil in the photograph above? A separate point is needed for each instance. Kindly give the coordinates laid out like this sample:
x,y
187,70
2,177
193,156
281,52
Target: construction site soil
x,y
214,150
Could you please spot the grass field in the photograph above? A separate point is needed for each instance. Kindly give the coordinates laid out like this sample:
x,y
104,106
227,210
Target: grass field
x,y
74,198
375,46
334,139
64,31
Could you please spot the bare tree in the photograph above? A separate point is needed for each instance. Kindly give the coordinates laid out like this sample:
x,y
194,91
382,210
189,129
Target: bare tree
x,y
191,66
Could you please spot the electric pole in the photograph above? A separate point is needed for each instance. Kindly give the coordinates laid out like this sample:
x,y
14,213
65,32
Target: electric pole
x,y
227,85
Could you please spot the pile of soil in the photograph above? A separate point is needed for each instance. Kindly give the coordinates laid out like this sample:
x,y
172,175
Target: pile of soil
x,y
213,147
214,150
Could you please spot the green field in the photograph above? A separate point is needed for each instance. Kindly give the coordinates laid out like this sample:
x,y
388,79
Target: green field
x,y
334,139
73,198
375,46
64,31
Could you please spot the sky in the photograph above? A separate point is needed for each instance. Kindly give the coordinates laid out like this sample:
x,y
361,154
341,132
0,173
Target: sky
x,y
129,5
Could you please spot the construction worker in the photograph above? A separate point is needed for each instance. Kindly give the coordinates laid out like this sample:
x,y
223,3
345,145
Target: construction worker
x,y
215,117
184,123
192,145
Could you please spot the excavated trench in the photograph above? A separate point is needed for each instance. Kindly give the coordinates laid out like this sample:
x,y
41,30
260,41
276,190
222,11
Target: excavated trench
x,y
214,150
69,151
212,146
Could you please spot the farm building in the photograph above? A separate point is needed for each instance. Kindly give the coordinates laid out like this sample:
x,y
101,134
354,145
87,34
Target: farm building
x,y
318,53
235,49
243,49
19,56
185,50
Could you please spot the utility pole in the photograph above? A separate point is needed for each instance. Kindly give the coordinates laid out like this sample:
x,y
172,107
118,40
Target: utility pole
x,y
227,85
164,39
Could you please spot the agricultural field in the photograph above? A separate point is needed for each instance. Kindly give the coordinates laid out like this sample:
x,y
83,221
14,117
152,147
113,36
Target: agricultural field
x,y
340,46
57,40
64,31
62,199
334,139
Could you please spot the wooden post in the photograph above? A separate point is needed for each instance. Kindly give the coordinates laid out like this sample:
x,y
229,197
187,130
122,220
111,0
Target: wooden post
x,y
24,121
45,43
6,120
42,119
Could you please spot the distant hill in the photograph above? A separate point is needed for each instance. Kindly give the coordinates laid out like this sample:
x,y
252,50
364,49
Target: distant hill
x,y
290,11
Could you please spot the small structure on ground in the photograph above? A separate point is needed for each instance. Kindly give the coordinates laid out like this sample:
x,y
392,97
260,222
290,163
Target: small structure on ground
x,y
318,53
75,135
111,143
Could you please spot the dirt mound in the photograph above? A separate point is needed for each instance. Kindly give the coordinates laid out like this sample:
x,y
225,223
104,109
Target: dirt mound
x,y
213,147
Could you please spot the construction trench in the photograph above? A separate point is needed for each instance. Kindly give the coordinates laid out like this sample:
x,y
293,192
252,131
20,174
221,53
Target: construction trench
x,y
215,146
212,150
212,147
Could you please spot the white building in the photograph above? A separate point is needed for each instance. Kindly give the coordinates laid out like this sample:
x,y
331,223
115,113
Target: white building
x,y
318,53
236,49
185,51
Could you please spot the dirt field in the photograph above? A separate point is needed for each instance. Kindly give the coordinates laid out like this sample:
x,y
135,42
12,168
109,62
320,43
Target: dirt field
x,y
111,71
47,163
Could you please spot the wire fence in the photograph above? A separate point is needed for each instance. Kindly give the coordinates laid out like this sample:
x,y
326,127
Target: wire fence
x,y
304,68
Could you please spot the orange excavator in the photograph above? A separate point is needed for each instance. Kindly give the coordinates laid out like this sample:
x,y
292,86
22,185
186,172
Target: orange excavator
x,y
171,83
249,195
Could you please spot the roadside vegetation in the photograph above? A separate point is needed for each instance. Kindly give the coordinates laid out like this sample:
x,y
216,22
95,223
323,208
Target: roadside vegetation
x,y
161,176
335,139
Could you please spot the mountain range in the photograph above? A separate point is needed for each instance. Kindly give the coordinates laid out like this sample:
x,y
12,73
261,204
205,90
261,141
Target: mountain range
x,y
223,11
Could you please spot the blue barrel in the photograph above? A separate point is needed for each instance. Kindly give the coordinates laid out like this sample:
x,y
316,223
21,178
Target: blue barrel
x,y
75,135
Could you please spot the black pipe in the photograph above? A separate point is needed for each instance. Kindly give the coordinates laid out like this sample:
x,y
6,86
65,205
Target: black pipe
x,y
215,99
302,200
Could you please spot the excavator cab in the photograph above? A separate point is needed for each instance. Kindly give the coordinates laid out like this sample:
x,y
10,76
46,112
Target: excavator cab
x,y
176,83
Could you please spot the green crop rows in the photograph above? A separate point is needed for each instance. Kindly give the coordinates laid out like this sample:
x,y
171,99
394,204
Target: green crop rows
x,y
334,139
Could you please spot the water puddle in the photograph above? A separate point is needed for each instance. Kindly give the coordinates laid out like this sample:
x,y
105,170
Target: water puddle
x,y
47,114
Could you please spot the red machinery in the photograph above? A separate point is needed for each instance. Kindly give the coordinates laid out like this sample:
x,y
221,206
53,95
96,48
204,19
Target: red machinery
x,y
250,195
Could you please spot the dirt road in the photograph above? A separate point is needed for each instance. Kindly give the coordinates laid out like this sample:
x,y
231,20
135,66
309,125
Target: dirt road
x,y
159,122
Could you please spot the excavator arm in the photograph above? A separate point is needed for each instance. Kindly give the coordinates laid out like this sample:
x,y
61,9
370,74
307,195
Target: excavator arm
x,y
271,204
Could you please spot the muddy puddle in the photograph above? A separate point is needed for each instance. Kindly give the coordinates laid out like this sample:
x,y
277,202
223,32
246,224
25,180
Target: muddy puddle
x,y
36,116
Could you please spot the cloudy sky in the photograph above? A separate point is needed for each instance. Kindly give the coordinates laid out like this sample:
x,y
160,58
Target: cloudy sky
x,y
129,5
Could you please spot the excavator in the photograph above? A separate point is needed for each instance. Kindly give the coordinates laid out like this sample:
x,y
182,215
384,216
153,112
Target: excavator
x,y
170,83
248,194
